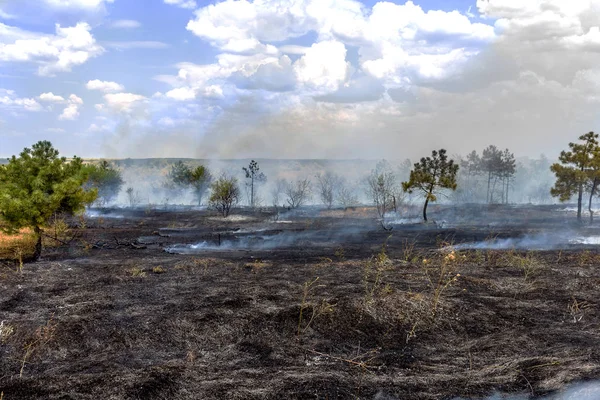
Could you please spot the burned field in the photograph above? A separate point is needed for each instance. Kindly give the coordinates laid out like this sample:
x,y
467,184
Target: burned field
x,y
182,304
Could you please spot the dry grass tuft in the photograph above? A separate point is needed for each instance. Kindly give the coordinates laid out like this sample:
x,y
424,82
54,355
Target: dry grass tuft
x,y
137,272
18,246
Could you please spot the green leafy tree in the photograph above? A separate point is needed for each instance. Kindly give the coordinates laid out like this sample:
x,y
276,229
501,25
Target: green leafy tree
x,y
37,185
200,179
491,164
180,174
255,177
184,177
431,174
105,178
225,193
574,170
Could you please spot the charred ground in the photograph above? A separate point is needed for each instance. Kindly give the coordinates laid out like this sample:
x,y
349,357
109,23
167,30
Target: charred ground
x,y
304,305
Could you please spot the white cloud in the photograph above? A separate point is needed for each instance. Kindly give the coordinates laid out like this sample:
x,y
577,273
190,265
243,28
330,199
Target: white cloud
x,y
95,128
324,66
104,86
123,102
189,4
51,97
70,47
125,24
9,100
5,15
213,91
181,94
71,112
77,4
74,99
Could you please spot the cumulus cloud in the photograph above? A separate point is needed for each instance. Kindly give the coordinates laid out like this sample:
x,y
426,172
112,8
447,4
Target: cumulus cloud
x,y
104,86
182,94
123,102
391,80
9,100
69,47
71,112
323,67
189,4
51,97
81,4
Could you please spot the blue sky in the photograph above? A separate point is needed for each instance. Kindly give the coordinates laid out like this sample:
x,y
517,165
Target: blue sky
x,y
293,78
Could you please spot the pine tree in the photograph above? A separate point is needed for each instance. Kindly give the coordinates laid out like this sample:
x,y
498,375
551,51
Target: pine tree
x,y
573,172
430,174
37,185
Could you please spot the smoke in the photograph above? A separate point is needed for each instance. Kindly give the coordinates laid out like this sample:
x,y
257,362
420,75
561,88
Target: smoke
x,y
270,240
538,241
580,391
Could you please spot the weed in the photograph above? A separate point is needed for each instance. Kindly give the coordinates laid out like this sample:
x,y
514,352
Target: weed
x,y
408,250
529,264
585,257
159,270
440,277
19,258
340,253
137,272
317,310
6,331
577,309
42,336
57,232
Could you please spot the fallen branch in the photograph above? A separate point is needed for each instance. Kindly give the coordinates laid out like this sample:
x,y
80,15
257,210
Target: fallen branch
x,y
129,244
352,361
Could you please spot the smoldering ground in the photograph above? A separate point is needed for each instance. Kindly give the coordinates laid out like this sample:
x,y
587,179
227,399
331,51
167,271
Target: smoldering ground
x,y
308,319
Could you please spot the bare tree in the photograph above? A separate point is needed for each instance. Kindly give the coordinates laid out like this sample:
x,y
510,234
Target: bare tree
x,y
277,191
381,188
298,193
133,197
346,196
328,186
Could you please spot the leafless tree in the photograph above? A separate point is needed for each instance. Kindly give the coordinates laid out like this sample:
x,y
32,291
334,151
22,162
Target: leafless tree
x,y
346,195
328,186
277,191
382,187
298,193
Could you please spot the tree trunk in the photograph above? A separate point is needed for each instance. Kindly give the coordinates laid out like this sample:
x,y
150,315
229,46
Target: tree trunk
x,y
425,208
252,192
488,187
38,244
594,184
579,202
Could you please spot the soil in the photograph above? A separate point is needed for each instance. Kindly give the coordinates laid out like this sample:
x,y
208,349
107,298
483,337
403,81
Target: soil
x,y
183,304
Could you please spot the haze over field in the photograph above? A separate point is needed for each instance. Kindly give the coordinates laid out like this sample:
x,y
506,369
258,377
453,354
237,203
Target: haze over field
x,y
297,79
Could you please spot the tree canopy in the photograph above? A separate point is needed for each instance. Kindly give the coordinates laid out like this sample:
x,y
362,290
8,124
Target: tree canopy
x,y
255,177
576,168
224,195
38,184
431,174
105,178
198,179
